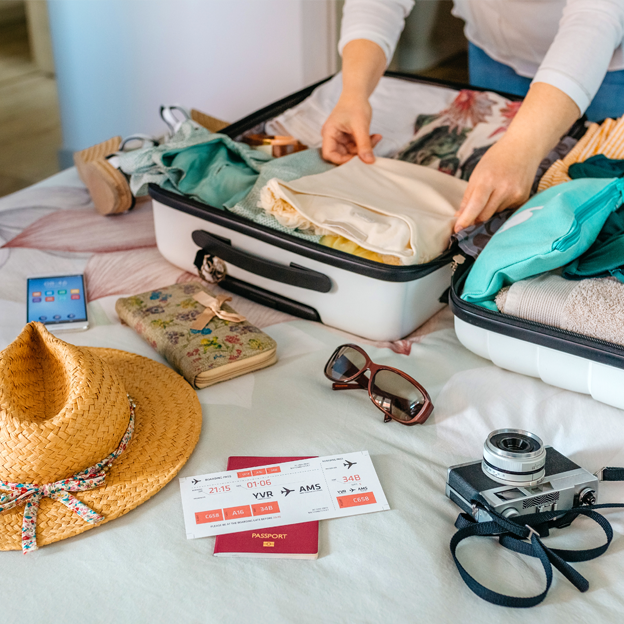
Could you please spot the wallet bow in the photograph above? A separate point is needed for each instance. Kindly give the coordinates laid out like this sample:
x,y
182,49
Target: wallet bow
x,y
213,308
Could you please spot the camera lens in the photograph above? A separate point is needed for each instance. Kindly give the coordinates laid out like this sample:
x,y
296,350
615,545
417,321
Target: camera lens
x,y
515,445
514,456
515,441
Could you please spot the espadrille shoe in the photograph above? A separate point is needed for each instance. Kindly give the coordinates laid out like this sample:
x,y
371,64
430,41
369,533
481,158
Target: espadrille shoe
x,y
98,169
108,186
98,166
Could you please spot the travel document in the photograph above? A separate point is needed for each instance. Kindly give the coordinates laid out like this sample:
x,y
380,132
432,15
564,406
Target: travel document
x,y
280,494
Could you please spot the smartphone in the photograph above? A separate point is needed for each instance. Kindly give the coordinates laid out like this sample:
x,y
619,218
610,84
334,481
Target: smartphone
x,y
58,301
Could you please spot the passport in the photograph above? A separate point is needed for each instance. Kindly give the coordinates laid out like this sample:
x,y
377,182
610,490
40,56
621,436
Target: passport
x,y
292,541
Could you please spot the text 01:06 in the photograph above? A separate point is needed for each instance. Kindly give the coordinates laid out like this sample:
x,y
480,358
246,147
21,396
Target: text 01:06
x,y
261,483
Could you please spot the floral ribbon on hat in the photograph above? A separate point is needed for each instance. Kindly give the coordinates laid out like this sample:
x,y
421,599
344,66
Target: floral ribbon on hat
x,y
30,494
213,308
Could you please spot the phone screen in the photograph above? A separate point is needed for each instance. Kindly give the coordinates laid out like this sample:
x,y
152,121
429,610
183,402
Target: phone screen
x,y
57,299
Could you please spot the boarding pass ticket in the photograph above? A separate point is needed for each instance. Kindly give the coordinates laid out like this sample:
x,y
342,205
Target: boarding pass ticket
x,y
279,494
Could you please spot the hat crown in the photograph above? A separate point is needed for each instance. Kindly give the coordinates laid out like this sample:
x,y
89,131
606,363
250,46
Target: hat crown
x,y
62,409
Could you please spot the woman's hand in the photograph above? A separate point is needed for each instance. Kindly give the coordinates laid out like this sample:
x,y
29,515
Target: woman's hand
x,y
502,179
345,133
504,176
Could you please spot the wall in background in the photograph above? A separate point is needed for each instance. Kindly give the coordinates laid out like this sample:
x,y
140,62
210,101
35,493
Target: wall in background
x,y
118,60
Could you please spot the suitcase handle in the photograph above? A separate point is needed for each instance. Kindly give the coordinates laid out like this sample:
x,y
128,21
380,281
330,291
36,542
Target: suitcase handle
x,y
293,274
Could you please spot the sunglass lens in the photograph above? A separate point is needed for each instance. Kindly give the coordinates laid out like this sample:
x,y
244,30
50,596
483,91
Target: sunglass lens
x,y
345,363
396,395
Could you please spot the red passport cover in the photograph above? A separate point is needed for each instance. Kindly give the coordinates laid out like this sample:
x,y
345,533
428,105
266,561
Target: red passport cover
x,y
289,541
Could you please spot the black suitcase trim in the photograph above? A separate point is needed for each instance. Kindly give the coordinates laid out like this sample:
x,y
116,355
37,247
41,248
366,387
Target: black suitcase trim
x,y
582,346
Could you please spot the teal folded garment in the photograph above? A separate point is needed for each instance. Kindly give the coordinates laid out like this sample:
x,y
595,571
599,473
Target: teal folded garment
x,y
598,166
197,163
605,258
552,229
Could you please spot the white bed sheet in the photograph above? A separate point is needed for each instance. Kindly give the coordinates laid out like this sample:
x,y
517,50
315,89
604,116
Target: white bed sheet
x,y
393,566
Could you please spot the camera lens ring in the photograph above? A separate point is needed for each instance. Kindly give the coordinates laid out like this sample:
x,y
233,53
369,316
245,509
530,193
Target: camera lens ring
x,y
514,456
517,434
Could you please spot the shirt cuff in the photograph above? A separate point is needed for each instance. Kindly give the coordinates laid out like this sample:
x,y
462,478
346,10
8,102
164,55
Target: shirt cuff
x,y
370,36
565,83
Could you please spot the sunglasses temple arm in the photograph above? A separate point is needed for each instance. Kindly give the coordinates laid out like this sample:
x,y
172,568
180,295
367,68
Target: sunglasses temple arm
x,y
346,386
361,383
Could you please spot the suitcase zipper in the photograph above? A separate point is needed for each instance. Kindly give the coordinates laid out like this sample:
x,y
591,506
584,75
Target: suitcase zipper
x,y
458,260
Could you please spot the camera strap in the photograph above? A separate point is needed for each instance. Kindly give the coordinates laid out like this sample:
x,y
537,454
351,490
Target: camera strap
x,y
526,539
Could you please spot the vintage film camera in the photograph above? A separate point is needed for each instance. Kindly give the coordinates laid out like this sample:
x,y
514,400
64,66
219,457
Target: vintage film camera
x,y
518,476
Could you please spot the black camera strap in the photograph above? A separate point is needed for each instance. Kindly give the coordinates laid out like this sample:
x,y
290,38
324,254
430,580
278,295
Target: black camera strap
x,y
526,539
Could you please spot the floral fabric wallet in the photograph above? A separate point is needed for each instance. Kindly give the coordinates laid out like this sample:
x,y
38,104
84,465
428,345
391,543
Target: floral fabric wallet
x,y
197,333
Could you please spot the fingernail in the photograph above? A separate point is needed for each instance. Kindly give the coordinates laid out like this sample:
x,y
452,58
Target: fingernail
x,y
368,156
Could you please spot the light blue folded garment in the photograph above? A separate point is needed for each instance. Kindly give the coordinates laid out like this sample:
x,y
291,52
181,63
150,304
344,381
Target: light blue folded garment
x,y
552,229
197,163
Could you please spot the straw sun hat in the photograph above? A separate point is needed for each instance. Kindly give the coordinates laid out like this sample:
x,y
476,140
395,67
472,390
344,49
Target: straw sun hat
x,y
86,435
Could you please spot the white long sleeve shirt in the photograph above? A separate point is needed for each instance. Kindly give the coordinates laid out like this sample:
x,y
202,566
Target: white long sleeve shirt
x,y
570,44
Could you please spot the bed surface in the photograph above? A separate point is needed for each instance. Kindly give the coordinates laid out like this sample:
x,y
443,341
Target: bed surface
x,y
393,566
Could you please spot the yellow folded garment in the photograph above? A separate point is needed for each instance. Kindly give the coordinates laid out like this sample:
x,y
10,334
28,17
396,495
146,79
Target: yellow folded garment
x,y
343,244
606,138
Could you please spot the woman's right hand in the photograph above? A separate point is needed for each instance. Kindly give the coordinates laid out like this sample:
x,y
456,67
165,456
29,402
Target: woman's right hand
x,y
346,132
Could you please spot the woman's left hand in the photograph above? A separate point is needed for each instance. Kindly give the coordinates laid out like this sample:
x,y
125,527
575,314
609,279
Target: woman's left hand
x,y
502,179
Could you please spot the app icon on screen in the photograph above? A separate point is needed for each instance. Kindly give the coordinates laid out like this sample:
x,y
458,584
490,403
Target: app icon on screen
x,y
49,292
36,299
37,294
75,296
71,316
56,317
62,292
74,291
49,298
43,318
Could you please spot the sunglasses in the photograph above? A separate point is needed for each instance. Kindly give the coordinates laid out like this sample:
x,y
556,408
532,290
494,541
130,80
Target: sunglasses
x,y
395,393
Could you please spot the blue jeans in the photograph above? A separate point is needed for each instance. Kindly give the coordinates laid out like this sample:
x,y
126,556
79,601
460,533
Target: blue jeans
x,y
487,73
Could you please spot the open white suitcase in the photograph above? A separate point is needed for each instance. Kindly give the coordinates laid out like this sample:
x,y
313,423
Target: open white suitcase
x,y
370,299
556,356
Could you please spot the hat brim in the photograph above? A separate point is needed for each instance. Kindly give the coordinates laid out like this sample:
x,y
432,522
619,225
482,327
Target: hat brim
x,y
167,426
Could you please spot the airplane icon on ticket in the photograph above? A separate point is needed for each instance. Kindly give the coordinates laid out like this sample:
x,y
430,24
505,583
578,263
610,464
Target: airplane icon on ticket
x,y
286,491
348,464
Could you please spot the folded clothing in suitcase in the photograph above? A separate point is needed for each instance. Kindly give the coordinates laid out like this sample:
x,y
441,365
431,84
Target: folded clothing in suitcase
x,y
374,300
556,356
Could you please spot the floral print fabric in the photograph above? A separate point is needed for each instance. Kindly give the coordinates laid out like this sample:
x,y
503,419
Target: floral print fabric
x,y
163,317
30,494
455,139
